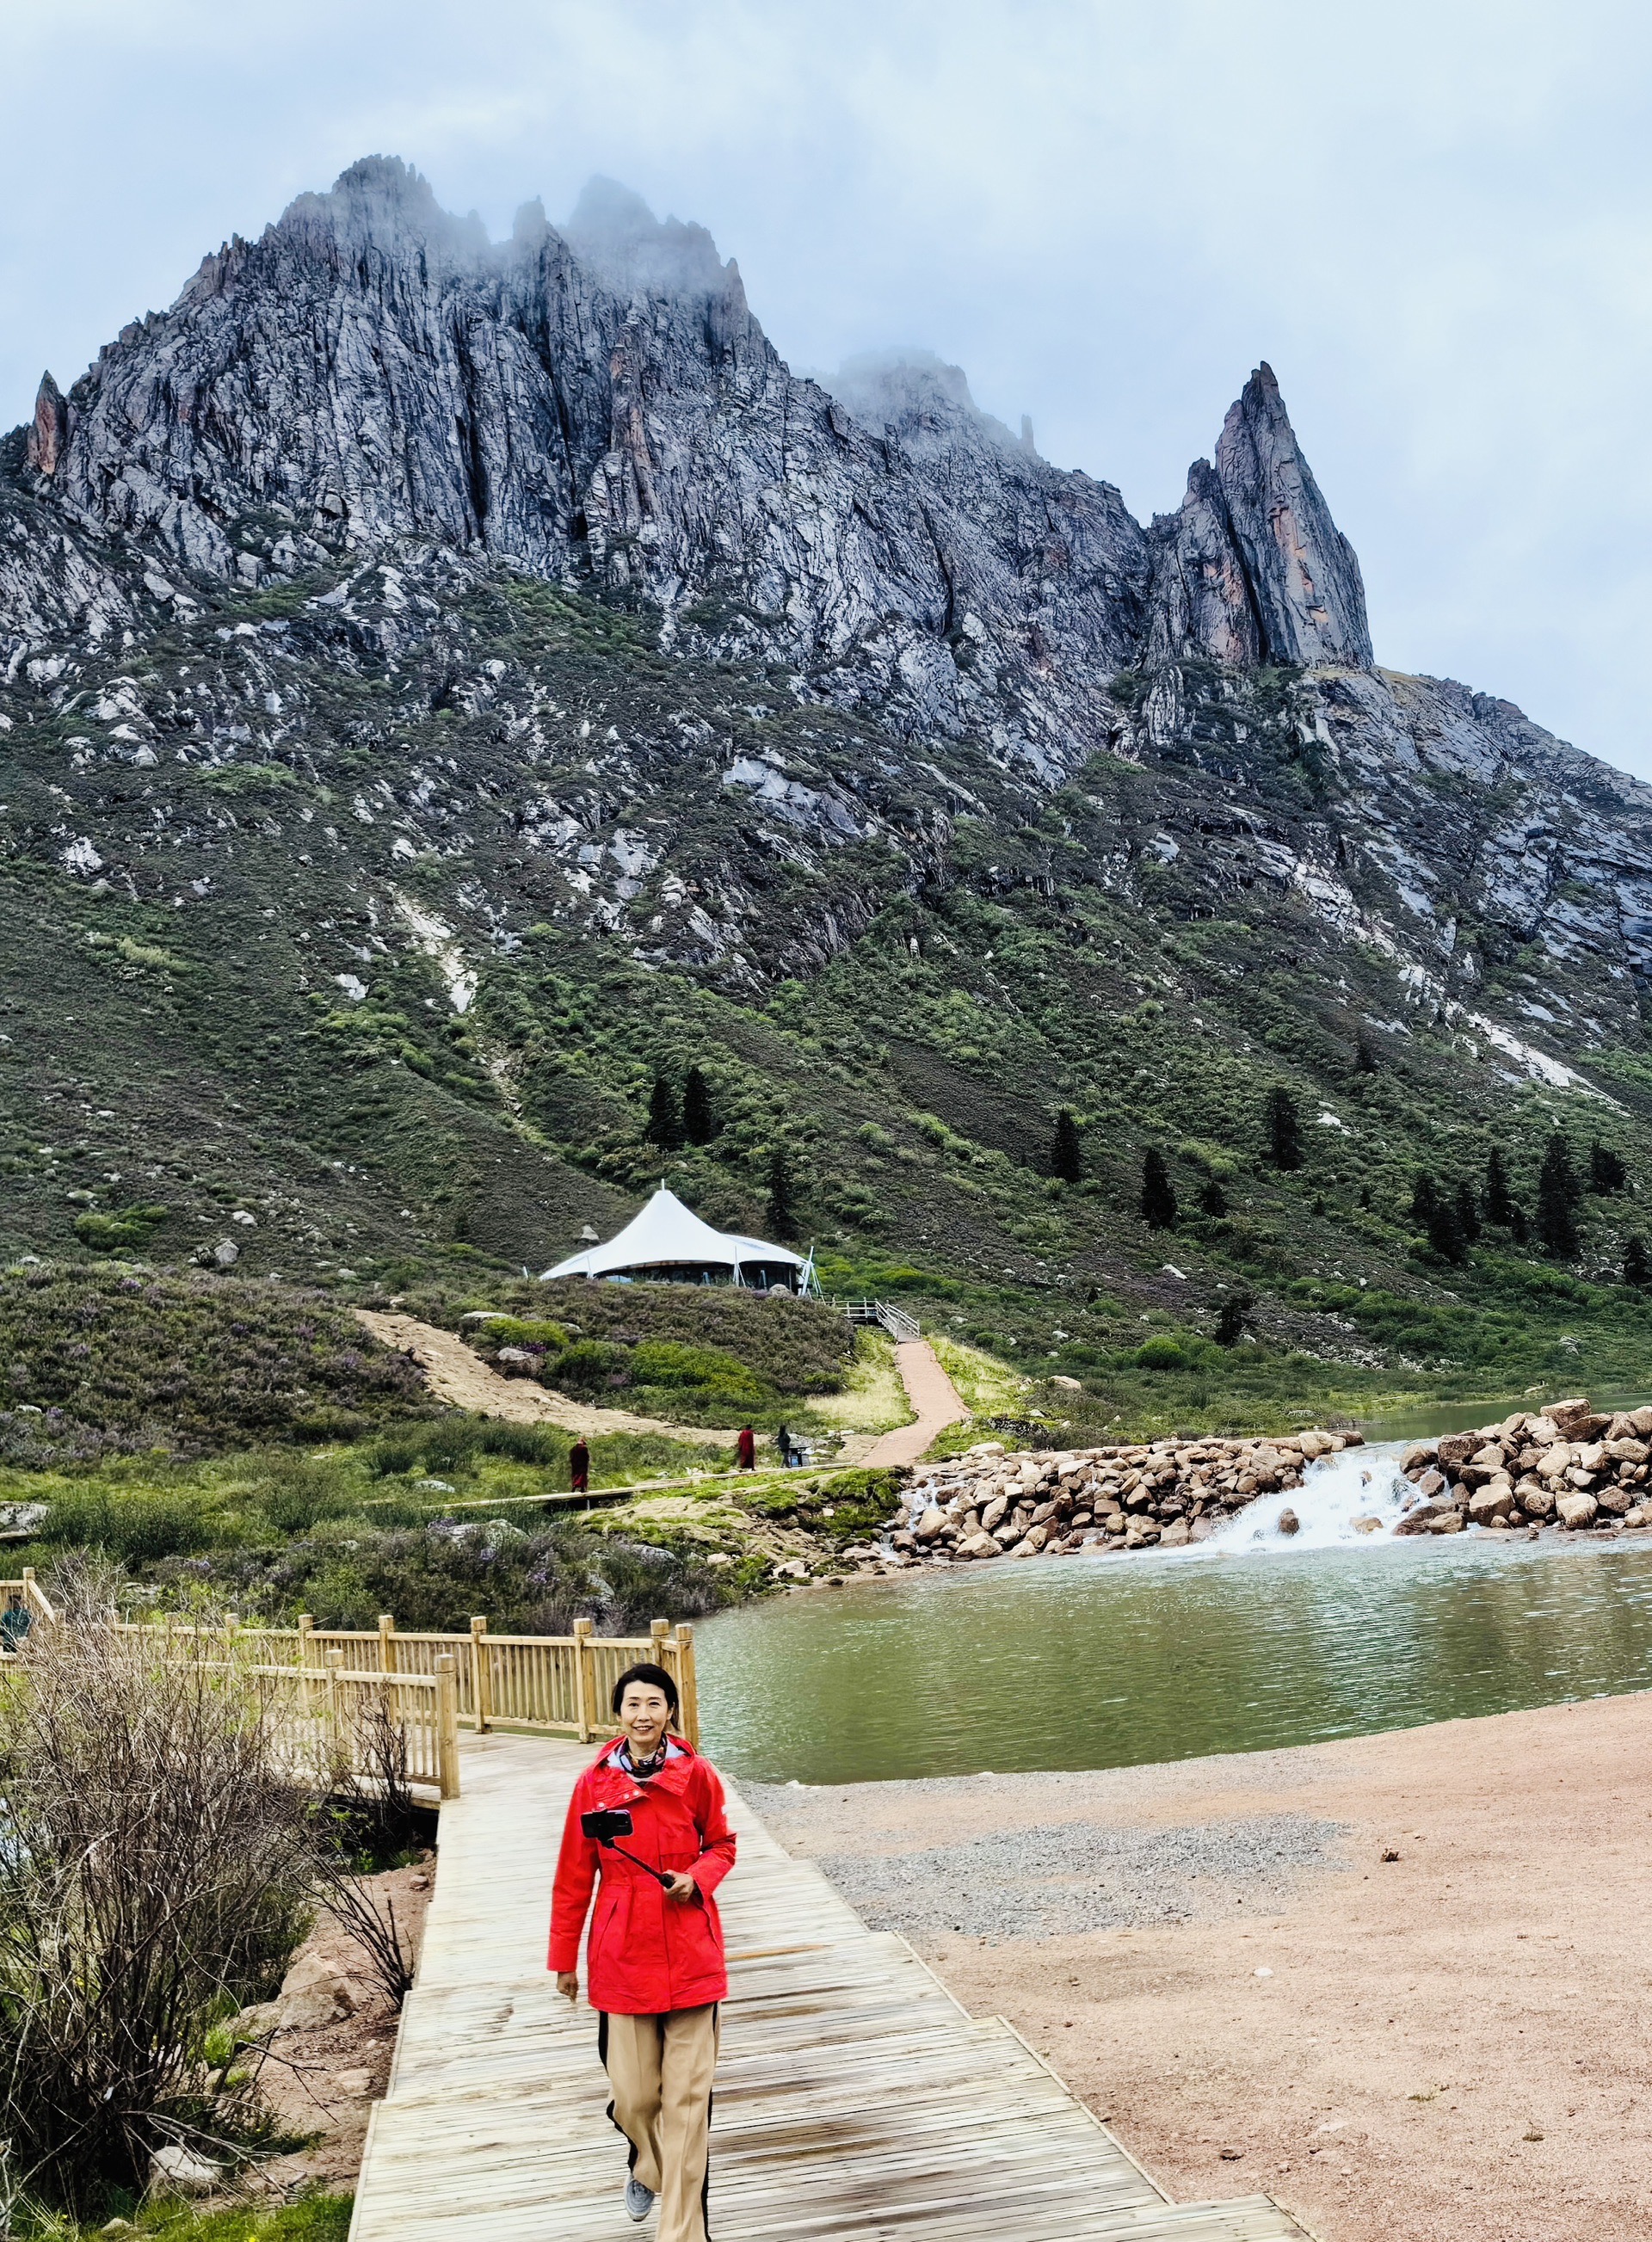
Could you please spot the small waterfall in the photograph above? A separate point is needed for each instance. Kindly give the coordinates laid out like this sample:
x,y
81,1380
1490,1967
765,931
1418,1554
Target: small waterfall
x,y
1359,1483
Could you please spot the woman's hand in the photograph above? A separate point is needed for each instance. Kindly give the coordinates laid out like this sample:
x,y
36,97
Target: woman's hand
x,y
681,1887
567,1983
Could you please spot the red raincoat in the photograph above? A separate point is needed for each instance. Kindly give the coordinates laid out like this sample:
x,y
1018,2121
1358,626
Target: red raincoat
x,y
648,1953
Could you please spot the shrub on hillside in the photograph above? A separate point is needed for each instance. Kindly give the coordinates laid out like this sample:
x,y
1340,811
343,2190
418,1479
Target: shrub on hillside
x,y
715,1340
94,1362
528,1577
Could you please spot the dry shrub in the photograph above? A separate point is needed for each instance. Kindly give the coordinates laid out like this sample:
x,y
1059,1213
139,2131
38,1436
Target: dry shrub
x,y
371,1816
154,1874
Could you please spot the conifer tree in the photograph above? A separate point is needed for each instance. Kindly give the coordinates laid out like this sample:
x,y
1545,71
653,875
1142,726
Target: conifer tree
x,y
1365,1055
1212,1199
1519,1228
1231,1318
1066,1153
1637,1264
1498,1201
1284,1130
1436,1212
1158,1197
1607,1172
1557,1197
1468,1213
664,1125
782,1216
699,1123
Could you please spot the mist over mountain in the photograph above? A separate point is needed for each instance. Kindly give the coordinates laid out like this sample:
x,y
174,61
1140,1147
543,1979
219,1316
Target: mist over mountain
x,y
447,681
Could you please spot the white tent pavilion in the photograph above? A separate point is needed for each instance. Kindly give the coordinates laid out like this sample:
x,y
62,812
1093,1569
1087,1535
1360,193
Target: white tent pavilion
x,y
669,1241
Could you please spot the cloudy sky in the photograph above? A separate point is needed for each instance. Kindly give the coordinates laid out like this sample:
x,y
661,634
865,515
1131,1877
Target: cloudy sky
x,y
1431,217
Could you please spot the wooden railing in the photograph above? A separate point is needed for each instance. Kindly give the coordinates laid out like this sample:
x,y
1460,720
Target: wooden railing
x,y
560,1684
900,1323
329,1680
328,1719
26,1597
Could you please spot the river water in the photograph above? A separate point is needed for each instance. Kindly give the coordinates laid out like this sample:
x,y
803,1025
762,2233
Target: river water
x,y
1249,1640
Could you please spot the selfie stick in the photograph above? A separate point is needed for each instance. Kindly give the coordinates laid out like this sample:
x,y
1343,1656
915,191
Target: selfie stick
x,y
659,1875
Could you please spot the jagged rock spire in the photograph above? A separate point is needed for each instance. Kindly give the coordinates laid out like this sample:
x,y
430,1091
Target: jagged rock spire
x,y
1304,577
1253,568
49,430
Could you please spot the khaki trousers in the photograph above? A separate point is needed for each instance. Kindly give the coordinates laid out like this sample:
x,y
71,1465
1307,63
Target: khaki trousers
x,y
661,2070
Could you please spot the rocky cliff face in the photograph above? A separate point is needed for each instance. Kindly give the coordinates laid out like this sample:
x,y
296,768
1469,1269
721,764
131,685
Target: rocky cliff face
x,y
598,407
442,589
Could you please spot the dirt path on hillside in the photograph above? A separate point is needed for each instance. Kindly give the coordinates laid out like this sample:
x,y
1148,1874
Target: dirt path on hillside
x,y
457,1375
1447,2045
930,1391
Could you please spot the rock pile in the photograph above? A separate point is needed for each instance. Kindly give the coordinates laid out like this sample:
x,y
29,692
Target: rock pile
x,y
1564,1466
985,1504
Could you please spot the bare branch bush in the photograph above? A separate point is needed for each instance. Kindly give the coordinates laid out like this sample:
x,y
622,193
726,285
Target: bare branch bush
x,y
155,1875
369,1817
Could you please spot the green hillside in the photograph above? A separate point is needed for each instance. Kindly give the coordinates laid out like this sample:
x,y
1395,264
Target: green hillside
x,y
888,1039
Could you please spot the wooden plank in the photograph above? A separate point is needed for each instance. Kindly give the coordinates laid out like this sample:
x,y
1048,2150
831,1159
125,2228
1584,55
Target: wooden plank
x,y
855,2096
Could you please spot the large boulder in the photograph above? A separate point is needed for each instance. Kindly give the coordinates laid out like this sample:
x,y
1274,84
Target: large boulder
x,y
1496,1499
1577,1511
931,1526
1568,1415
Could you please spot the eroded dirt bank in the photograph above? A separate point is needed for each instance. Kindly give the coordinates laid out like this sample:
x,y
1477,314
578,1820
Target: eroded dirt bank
x,y
1447,2046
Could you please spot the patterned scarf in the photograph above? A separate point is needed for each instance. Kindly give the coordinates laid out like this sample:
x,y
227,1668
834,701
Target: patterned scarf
x,y
640,1769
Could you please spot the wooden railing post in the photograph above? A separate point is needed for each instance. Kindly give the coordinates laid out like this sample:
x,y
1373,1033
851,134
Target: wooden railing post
x,y
482,1676
583,1675
688,1685
306,1639
335,1731
447,1724
386,1643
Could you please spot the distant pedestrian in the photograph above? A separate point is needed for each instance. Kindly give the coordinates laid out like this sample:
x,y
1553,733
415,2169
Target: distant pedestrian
x,y
746,1449
782,1444
579,1467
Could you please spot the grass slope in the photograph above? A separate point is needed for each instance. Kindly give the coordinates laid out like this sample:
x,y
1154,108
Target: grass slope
x,y
186,1041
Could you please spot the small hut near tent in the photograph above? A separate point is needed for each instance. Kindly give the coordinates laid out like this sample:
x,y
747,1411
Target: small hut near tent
x,y
668,1243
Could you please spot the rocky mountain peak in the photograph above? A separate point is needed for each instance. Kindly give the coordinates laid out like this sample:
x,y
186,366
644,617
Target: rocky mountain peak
x,y
614,232
49,430
1303,572
923,399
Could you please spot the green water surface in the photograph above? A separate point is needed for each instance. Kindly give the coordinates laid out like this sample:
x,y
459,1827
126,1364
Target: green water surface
x,y
1108,1662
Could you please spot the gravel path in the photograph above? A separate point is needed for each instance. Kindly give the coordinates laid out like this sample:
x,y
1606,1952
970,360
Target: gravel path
x,y
934,1396
1043,1882
458,1376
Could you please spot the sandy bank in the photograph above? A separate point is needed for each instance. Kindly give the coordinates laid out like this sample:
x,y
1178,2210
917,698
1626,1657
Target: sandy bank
x,y
1447,2047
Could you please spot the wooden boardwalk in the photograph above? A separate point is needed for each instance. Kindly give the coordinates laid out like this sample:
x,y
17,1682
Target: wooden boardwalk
x,y
853,2098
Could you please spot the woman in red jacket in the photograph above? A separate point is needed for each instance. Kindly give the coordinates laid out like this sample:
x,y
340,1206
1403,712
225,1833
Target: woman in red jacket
x,y
655,1959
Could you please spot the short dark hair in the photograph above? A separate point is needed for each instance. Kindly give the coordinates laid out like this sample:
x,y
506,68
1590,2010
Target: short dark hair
x,y
656,1676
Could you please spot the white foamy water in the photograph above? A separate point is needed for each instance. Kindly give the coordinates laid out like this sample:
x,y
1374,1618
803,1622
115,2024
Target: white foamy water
x,y
1359,1483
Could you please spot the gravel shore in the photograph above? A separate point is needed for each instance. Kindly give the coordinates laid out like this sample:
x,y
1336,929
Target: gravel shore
x,y
1403,1977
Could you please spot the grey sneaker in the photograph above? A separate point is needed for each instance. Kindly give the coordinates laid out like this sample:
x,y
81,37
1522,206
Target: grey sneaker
x,y
639,2200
